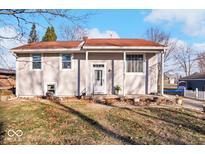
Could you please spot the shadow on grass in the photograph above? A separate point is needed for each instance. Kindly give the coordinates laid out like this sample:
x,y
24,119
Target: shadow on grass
x,y
2,132
97,125
165,114
178,119
150,136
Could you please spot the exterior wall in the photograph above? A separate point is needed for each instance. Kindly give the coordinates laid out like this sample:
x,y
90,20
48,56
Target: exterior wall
x,y
152,73
28,82
114,64
73,82
33,82
193,84
137,83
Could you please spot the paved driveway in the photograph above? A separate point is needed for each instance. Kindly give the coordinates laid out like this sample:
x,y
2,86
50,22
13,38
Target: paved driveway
x,y
190,103
194,104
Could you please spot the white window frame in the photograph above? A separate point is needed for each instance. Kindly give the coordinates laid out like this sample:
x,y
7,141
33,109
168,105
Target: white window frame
x,y
143,65
61,61
31,62
46,87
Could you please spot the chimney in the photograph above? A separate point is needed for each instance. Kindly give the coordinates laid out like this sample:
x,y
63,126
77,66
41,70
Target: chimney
x,y
85,38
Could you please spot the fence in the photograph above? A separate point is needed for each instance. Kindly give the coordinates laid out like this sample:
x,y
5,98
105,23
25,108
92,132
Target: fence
x,y
195,94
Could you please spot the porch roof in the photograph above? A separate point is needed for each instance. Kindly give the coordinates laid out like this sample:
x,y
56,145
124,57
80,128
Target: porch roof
x,y
120,42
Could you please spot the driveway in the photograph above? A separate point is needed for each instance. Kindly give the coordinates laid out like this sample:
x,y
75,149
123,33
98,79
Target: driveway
x,y
194,104
190,103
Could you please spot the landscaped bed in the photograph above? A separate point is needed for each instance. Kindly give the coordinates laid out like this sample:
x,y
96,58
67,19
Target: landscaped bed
x,y
82,122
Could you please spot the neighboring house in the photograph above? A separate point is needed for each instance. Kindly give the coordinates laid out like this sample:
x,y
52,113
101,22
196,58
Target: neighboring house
x,y
170,78
196,80
73,68
7,78
7,72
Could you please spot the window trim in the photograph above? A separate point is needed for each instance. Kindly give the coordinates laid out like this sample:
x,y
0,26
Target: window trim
x,y
31,62
61,61
143,65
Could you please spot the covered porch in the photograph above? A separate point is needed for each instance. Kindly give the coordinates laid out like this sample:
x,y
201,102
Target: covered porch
x,y
109,68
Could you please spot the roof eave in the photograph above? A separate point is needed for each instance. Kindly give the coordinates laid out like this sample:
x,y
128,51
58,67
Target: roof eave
x,y
59,50
126,47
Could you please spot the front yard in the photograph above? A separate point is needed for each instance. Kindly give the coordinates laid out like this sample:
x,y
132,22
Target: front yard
x,y
78,122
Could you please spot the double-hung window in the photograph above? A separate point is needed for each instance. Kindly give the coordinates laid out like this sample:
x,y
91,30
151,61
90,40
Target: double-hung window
x,y
134,63
36,61
66,61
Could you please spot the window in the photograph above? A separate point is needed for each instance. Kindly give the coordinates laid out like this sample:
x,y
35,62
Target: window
x,y
134,63
66,61
98,65
51,88
36,61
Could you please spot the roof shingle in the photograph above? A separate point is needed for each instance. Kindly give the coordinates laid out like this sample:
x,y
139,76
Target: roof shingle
x,y
120,42
50,45
88,42
194,76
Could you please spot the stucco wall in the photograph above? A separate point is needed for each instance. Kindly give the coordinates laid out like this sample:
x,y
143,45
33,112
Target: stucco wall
x,y
32,82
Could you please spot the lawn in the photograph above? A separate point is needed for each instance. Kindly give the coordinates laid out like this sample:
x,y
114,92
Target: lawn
x,y
78,122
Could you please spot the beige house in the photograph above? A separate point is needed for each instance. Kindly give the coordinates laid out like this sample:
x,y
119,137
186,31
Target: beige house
x,y
91,66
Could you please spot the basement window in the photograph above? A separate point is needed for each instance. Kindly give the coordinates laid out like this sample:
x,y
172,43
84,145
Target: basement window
x,y
36,61
51,88
66,61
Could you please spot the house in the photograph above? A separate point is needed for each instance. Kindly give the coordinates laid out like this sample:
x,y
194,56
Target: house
x,y
7,78
170,78
90,66
7,72
196,80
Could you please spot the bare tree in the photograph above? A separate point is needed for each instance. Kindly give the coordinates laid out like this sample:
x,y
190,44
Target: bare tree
x,y
201,62
19,19
157,35
76,32
184,58
22,17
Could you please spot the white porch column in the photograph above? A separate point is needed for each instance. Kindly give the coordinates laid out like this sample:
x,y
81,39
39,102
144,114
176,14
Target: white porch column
x,y
17,77
86,75
124,69
162,72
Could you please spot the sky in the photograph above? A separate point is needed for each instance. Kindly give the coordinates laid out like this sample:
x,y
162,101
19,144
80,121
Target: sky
x,y
184,25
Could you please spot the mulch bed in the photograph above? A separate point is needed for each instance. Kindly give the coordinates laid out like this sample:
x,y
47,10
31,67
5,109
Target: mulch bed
x,y
143,101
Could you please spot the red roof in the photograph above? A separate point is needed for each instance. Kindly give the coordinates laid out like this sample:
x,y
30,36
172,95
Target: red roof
x,y
120,42
89,42
50,45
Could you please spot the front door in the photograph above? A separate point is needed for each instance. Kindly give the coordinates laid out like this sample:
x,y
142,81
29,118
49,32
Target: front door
x,y
99,82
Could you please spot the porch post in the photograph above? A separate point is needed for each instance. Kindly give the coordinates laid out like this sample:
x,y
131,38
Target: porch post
x,y
124,69
162,72
86,75
147,74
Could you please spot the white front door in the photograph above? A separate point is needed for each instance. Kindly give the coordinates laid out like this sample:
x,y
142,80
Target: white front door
x,y
99,80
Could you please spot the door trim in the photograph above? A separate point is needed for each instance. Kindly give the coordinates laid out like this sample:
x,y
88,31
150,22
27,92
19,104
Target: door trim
x,y
92,74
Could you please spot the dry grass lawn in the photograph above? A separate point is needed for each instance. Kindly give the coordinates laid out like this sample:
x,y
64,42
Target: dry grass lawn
x,y
77,122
